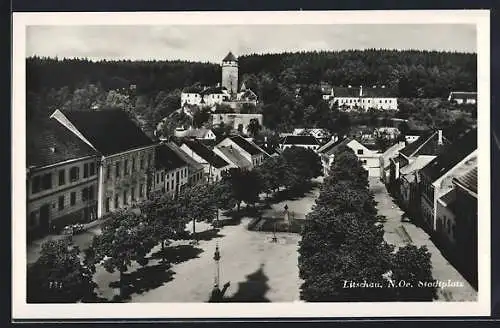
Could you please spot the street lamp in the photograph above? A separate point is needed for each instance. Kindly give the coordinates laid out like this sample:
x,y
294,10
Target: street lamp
x,y
217,267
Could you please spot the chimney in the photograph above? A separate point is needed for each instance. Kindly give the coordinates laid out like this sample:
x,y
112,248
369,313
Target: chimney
x,y
440,137
361,91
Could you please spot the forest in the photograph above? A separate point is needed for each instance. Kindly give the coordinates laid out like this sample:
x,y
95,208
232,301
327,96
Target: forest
x,y
288,84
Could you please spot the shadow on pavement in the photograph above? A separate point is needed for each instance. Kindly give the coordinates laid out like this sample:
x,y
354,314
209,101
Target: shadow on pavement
x,y
208,234
143,280
178,254
253,289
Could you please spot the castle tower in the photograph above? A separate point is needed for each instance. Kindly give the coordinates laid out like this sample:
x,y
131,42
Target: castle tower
x,y
230,74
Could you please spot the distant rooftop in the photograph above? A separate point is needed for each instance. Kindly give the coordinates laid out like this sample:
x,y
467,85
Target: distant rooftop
x,y
230,57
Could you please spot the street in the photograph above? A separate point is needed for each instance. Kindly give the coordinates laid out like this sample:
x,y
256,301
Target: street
x,y
398,233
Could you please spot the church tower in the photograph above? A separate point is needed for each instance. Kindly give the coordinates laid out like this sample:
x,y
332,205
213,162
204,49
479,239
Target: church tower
x,y
230,74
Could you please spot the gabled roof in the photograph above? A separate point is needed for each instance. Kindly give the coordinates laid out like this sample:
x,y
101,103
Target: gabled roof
x,y
206,153
332,145
417,164
468,180
392,151
49,142
413,148
213,90
230,57
166,158
300,140
246,145
235,157
185,157
109,131
451,156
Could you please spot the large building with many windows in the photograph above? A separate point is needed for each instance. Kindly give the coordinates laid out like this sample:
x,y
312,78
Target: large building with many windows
x,y
126,155
61,178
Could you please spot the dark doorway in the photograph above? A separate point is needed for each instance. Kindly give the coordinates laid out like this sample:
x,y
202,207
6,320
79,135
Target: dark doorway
x,y
44,217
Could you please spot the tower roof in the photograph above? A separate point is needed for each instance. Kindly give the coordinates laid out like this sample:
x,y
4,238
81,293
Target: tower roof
x,y
230,57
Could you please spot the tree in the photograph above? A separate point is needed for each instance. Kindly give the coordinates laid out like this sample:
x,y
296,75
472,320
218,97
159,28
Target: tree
x,y
163,215
245,185
59,276
126,237
197,203
201,117
382,141
254,127
272,173
413,266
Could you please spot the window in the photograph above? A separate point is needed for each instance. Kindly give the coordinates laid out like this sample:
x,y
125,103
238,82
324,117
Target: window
x,y
73,198
62,177
117,201
85,194
35,185
117,169
74,173
125,167
86,170
162,176
132,194
364,161
47,181
141,161
32,219
141,190
157,178
150,160
61,203
125,198
108,202
108,172
360,151
133,165
92,169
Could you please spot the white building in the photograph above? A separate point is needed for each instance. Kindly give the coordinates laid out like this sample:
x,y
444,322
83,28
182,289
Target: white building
x,y
463,97
306,141
352,98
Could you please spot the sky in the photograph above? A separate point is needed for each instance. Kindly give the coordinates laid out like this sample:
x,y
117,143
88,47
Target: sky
x,y
210,43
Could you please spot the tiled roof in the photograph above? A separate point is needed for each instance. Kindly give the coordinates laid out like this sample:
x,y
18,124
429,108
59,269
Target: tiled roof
x,y
367,92
417,164
109,131
331,146
166,158
300,140
246,145
414,148
448,198
468,180
213,90
230,57
451,155
392,151
234,156
185,157
206,153
49,142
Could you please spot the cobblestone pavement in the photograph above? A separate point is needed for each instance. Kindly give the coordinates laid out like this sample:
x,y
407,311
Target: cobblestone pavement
x,y
398,233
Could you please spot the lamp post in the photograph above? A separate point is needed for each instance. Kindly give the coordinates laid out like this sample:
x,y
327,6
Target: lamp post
x,y
217,267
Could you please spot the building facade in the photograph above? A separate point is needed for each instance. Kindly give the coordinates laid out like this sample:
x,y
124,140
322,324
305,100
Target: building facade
x,y
171,172
126,154
213,164
61,179
352,98
195,169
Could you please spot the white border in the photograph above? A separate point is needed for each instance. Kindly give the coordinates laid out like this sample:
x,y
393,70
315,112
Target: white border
x,y
22,310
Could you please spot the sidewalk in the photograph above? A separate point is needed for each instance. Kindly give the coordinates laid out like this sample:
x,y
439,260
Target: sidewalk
x,y
81,240
397,233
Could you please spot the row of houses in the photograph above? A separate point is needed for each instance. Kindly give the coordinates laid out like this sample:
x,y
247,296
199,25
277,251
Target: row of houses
x,y
82,165
435,182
